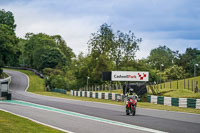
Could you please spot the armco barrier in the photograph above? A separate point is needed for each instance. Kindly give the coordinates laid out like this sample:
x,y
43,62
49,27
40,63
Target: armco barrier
x,y
26,68
59,90
171,101
98,95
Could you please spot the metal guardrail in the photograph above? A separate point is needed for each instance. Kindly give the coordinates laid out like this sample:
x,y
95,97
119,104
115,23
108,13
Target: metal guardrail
x,y
26,68
59,90
8,79
4,88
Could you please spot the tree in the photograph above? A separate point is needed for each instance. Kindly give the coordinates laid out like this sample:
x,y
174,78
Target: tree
x,y
56,78
161,55
8,46
81,69
100,46
109,50
67,51
50,58
8,41
41,50
58,81
175,72
125,47
188,59
35,46
7,18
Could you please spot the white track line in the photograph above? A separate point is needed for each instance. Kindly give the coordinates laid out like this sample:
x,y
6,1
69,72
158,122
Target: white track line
x,y
38,121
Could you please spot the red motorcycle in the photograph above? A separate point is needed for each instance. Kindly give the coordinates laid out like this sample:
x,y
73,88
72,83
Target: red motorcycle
x,y
131,104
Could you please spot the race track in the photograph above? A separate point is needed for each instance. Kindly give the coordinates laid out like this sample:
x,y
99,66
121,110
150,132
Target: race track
x,y
94,117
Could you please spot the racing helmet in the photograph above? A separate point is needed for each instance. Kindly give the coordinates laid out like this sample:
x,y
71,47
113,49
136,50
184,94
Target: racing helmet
x,y
131,90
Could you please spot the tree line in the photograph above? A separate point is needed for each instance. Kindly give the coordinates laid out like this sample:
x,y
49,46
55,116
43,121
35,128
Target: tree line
x,y
107,51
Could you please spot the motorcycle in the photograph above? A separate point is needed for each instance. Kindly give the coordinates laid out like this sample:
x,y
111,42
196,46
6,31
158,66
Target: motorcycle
x,y
131,104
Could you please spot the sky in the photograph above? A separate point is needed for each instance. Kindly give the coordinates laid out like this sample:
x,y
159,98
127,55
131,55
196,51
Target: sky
x,y
174,23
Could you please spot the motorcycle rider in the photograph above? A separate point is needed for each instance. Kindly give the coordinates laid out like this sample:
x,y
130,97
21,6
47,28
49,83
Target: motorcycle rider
x,y
131,94
131,102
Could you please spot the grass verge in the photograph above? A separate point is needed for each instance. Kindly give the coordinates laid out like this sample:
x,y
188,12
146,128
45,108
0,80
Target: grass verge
x,y
179,93
39,89
181,88
10,123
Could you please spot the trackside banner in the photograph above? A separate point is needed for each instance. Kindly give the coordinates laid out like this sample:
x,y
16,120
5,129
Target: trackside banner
x,y
129,76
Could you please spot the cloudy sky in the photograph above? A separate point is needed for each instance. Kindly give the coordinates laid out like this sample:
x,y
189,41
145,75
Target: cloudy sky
x,y
174,23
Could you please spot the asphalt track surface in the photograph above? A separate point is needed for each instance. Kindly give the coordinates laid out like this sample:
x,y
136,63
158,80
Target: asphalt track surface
x,y
166,121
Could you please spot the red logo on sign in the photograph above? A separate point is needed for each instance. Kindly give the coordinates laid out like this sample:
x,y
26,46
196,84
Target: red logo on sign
x,y
142,76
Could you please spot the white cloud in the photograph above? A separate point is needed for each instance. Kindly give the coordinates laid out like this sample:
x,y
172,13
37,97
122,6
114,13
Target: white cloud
x,y
174,44
76,31
170,23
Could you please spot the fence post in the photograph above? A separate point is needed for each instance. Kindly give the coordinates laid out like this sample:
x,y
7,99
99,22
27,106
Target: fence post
x,y
170,83
192,85
110,85
177,83
164,86
184,83
196,90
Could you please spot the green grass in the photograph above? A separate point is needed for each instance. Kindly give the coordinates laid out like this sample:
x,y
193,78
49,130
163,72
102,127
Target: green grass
x,y
188,83
10,123
179,93
37,86
180,88
182,93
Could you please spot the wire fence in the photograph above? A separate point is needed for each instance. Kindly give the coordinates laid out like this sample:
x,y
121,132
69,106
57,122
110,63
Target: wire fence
x,y
192,84
103,87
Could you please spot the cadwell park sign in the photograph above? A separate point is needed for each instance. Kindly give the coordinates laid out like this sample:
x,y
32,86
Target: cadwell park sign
x,y
126,76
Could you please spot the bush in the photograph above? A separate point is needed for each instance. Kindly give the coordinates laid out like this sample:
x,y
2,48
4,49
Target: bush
x,y
58,81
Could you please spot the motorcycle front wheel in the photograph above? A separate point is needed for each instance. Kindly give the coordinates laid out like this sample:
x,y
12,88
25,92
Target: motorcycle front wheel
x,y
133,111
127,110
